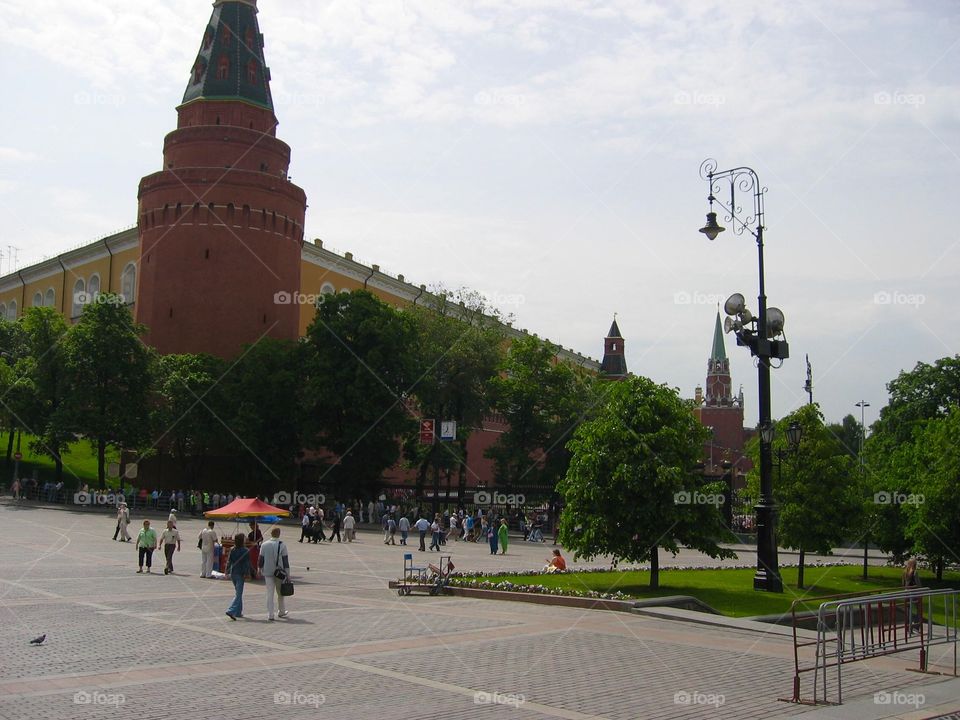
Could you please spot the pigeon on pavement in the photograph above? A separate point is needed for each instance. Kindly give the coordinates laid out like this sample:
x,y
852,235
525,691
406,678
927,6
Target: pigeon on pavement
x,y
39,640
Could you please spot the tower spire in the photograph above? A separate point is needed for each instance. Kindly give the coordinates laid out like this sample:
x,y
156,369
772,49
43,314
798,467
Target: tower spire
x,y
230,64
718,351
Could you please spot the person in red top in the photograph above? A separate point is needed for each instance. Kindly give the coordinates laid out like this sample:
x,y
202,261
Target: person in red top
x,y
555,563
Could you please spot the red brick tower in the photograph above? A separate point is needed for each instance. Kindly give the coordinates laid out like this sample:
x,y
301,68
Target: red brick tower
x,y
720,410
221,226
614,364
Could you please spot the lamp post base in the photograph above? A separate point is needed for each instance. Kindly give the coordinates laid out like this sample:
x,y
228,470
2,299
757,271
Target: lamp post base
x,y
767,581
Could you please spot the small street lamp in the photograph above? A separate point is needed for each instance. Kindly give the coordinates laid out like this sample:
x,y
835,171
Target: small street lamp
x,y
762,335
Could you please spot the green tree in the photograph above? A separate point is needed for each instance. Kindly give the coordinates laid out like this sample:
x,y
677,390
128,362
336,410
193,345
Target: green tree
x,y
927,392
933,509
16,391
458,352
109,370
543,400
632,486
360,366
265,425
819,501
188,407
45,384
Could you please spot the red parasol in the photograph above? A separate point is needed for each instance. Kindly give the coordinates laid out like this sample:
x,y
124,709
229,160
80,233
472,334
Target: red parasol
x,y
246,507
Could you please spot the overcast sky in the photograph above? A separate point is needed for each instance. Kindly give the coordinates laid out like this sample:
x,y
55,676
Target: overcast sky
x,y
546,153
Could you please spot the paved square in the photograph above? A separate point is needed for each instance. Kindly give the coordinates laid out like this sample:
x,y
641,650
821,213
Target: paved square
x,y
153,646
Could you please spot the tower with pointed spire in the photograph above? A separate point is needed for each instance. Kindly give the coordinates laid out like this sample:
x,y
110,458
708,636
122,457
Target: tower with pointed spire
x,y
221,225
718,371
614,365
721,411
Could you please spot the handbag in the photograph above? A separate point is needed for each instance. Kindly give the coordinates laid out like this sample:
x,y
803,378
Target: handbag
x,y
286,588
278,571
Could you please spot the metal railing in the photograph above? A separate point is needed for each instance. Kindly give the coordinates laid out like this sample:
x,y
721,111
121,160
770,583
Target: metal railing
x,y
850,629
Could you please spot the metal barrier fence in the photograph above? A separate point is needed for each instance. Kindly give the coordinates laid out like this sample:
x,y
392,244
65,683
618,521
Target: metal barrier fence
x,y
850,629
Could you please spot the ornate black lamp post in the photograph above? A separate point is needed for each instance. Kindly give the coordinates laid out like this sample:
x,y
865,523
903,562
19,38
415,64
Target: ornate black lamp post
x,y
759,333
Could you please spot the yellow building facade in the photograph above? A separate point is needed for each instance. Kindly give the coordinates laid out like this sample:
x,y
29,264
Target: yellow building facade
x,y
69,280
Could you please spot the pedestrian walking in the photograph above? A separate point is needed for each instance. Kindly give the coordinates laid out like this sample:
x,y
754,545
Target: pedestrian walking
x,y
350,525
146,543
437,534
392,530
304,526
273,557
404,525
208,541
172,517
502,536
454,529
170,539
336,526
492,539
123,520
422,526
238,567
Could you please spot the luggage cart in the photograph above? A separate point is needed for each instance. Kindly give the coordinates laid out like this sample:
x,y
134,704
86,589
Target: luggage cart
x,y
432,579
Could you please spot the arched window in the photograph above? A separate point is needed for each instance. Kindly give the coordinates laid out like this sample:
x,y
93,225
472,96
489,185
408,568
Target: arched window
x,y
128,284
326,290
249,38
3,311
93,286
208,38
252,72
223,68
37,300
227,35
198,67
12,311
79,298
50,298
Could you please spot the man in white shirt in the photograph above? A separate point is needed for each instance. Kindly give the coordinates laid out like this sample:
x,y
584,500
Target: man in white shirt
x,y
349,526
208,539
170,540
273,555
422,526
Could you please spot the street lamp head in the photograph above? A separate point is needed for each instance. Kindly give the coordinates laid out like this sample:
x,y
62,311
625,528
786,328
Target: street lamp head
x,y
794,433
775,322
735,304
766,433
712,228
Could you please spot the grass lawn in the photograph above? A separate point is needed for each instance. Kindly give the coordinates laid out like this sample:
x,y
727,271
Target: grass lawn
x,y
731,592
79,461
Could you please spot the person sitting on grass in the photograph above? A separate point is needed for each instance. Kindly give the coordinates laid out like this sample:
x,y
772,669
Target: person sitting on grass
x,y
555,563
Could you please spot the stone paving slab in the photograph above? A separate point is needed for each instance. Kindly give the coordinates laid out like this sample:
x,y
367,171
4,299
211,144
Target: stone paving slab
x,y
159,647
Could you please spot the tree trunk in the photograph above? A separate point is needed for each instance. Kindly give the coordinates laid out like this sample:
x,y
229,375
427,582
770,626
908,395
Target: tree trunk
x,y
655,568
800,571
101,460
940,568
866,546
13,431
58,466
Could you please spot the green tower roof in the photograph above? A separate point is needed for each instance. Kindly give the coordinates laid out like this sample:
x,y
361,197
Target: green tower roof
x,y
718,352
230,64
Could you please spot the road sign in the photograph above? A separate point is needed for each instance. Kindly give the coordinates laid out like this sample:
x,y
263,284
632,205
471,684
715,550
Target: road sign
x,y
130,471
427,432
448,430
18,456
113,470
